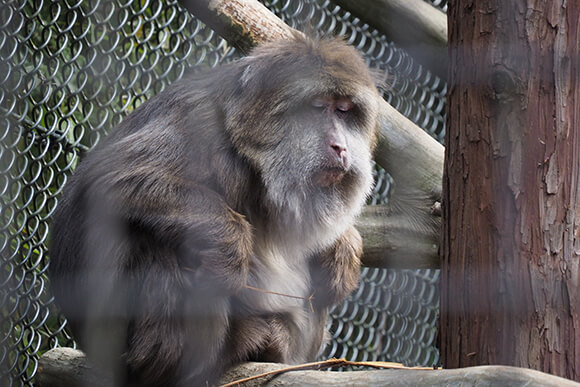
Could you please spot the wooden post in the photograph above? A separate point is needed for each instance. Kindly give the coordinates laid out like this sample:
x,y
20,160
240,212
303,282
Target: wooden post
x,y
511,205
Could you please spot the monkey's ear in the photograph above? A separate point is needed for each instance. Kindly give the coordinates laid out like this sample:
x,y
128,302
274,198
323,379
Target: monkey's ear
x,y
382,79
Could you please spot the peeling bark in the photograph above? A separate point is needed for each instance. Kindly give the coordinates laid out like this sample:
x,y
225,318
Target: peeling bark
x,y
511,211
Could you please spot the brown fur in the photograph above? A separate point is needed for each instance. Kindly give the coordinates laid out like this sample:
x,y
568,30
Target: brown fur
x,y
192,238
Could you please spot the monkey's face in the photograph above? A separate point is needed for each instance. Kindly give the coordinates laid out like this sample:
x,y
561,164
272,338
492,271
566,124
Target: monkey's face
x,y
317,154
332,114
329,148
306,119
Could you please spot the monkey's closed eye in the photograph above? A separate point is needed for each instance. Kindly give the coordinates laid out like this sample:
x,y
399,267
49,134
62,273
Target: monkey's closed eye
x,y
340,105
344,105
345,110
318,104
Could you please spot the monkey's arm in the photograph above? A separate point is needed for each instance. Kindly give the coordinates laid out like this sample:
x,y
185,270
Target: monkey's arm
x,y
213,242
336,271
222,239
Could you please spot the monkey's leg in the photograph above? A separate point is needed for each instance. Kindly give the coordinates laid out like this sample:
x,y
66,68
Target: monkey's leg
x,y
276,338
336,271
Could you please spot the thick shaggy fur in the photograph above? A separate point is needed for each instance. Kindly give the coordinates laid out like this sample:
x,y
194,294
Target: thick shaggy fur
x,y
180,237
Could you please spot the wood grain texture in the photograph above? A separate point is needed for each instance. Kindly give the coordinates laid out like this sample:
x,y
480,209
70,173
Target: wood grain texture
x,y
511,208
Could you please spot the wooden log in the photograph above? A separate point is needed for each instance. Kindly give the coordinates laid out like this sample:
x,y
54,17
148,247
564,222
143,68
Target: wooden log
x,y
243,23
413,25
411,156
393,241
67,367
464,377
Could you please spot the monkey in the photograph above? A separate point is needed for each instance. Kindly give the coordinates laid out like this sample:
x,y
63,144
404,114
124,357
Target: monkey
x,y
215,224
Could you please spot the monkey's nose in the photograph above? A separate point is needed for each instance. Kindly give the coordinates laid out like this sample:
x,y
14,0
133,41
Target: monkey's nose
x,y
339,149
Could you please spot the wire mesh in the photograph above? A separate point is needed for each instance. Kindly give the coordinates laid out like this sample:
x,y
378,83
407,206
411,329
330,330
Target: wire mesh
x,y
71,70
441,4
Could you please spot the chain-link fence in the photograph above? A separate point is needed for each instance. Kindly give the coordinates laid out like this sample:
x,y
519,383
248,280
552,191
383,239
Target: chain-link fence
x,y
71,70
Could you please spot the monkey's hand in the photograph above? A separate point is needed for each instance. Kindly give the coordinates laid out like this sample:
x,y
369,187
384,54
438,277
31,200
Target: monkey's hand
x,y
336,271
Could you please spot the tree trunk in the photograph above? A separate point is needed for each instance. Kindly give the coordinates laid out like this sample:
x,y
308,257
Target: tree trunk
x,y
511,191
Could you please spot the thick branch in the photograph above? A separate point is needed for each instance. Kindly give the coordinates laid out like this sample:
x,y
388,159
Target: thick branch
x,y
67,367
473,376
411,156
243,23
394,241
414,25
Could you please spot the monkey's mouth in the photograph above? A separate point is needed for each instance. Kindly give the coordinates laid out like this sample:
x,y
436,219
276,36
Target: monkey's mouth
x,y
329,176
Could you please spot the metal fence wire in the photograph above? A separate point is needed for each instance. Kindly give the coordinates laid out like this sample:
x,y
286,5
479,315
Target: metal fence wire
x,y
71,70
